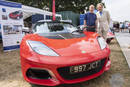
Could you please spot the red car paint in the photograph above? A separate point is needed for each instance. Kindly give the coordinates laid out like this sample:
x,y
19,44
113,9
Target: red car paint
x,y
110,37
16,15
70,51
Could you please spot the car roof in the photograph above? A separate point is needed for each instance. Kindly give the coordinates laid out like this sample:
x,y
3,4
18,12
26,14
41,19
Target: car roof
x,y
54,21
45,21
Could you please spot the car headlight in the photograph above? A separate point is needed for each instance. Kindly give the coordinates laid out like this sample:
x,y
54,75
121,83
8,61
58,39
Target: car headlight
x,y
41,48
102,43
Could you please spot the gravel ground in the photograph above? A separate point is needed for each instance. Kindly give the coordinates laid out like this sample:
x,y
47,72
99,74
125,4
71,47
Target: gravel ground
x,y
117,76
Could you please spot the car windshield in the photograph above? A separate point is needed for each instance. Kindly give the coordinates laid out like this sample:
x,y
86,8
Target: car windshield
x,y
54,27
17,12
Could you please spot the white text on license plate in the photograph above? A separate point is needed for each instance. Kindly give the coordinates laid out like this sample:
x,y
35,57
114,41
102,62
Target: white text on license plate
x,y
84,67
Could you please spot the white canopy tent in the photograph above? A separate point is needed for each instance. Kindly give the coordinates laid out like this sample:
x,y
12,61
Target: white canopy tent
x,y
29,11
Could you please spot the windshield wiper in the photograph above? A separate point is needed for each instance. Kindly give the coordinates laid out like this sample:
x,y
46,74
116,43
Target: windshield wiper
x,y
61,36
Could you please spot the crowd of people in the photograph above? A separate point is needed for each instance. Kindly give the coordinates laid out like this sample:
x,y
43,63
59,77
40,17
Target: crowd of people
x,y
121,27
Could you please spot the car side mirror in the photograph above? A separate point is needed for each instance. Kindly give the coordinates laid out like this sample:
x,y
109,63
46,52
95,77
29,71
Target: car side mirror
x,y
80,31
80,28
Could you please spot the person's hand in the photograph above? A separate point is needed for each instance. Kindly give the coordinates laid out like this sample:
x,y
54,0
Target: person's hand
x,y
85,29
96,30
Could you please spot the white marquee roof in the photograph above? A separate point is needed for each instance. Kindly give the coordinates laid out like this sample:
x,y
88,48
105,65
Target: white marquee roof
x,y
29,11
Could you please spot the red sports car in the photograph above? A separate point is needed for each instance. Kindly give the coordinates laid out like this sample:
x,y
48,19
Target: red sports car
x,y
16,15
58,53
110,36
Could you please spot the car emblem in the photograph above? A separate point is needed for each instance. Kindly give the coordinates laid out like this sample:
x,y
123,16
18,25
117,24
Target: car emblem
x,y
83,51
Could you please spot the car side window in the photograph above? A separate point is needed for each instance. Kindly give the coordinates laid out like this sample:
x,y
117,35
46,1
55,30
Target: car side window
x,y
70,27
41,28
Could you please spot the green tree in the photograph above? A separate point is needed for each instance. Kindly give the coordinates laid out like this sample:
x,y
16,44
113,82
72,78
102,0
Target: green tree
x,y
77,6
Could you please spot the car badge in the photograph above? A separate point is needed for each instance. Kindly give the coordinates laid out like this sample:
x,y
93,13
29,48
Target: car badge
x,y
83,51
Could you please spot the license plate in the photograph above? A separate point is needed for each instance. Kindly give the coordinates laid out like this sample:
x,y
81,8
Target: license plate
x,y
84,67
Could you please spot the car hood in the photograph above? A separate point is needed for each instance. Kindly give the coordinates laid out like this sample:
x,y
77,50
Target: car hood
x,y
71,46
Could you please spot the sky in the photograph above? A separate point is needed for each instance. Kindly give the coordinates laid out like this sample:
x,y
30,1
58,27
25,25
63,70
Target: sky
x,y
118,9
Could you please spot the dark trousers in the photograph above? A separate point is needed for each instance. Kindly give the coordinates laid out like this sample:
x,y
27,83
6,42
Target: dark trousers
x,y
91,29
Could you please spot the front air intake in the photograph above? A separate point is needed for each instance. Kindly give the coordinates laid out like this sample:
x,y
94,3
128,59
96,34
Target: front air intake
x,y
38,74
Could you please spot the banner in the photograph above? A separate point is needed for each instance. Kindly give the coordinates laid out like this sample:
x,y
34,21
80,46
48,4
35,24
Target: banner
x,y
11,22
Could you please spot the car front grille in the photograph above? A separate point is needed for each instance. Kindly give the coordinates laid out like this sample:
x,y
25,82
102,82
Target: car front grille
x,y
65,71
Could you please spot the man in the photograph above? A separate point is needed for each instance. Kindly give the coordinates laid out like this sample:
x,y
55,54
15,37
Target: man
x,y
90,19
103,18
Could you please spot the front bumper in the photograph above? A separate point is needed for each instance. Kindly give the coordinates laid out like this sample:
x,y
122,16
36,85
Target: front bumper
x,y
52,67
